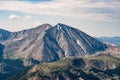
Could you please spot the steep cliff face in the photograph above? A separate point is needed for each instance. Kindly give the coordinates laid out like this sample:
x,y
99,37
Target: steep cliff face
x,y
46,43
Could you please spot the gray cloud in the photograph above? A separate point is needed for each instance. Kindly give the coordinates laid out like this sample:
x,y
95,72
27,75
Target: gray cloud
x,y
100,10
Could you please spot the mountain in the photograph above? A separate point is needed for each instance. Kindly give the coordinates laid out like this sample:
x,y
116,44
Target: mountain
x,y
110,40
99,67
47,43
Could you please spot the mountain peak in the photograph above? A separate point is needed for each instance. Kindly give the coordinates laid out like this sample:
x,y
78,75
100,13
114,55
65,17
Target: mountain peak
x,y
62,25
43,26
46,24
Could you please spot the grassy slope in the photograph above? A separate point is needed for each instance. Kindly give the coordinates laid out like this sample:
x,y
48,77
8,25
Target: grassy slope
x,y
85,68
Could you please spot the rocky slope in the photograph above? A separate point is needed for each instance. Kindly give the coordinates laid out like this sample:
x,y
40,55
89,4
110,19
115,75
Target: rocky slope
x,y
26,43
99,67
46,43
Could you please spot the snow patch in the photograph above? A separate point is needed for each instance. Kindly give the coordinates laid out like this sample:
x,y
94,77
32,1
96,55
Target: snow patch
x,y
17,39
65,53
80,44
58,27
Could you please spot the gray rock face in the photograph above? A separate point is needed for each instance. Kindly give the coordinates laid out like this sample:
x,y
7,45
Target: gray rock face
x,y
46,43
68,41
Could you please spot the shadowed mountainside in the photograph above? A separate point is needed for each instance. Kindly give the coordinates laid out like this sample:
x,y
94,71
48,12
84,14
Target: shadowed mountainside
x,y
1,51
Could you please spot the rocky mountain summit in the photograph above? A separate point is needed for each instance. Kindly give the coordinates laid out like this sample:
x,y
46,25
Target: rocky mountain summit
x,y
47,43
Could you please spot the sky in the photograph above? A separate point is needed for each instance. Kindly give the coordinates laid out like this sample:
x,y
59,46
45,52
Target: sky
x,y
95,17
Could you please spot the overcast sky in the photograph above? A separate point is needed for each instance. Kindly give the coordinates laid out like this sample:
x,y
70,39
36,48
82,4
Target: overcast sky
x,y
95,17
